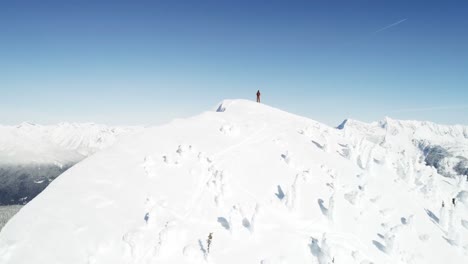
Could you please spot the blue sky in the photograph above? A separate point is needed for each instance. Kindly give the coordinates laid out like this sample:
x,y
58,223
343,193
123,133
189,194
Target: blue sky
x,y
146,62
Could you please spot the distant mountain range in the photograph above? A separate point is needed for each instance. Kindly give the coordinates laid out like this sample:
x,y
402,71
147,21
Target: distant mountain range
x,y
442,147
32,155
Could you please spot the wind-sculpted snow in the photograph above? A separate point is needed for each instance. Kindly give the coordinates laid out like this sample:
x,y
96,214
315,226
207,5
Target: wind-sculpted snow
x,y
251,184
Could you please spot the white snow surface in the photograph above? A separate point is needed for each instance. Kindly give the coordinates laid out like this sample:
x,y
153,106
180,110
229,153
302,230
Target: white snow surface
x,y
55,144
270,186
409,137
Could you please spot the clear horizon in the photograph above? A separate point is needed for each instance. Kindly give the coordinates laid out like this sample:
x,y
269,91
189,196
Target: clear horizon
x,y
127,63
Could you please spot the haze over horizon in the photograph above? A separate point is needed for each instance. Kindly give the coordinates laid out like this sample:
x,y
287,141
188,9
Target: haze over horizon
x,y
127,63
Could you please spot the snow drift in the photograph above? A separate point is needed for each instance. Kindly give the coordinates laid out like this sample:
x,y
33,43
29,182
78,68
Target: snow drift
x,y
270,186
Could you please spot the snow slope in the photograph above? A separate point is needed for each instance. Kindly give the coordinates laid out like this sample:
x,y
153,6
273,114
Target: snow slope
x,y
33,155
270,186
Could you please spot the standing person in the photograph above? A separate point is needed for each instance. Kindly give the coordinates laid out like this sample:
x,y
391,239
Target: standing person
x,y
258,96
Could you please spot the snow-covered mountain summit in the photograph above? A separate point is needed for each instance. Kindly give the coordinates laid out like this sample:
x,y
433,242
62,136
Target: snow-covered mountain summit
x,y
269,186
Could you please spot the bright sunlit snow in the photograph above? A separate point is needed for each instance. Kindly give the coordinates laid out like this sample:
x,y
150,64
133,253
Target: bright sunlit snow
x,y
32,155
61,144
270,186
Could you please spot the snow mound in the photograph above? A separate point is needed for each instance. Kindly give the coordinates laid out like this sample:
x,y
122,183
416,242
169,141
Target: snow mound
x,y
248,183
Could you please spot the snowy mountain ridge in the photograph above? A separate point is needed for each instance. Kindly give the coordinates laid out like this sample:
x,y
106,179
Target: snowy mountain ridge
x,y
248,183
443,147
418,128
33,155
29,143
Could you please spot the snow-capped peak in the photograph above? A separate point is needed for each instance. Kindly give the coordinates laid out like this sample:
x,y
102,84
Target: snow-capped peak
x,y
420,129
